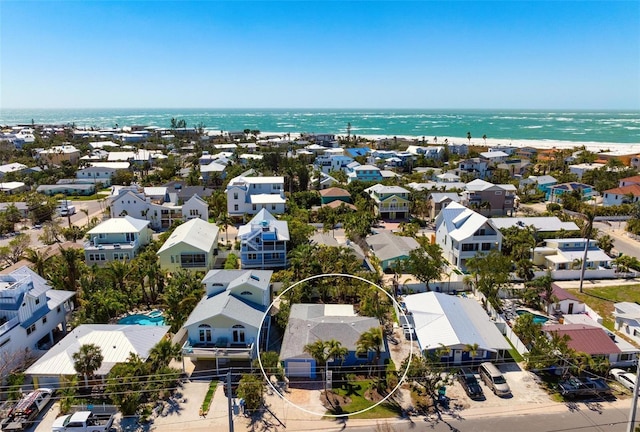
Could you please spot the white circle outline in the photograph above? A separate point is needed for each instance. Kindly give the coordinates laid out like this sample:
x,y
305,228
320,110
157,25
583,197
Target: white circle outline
x,y
400,381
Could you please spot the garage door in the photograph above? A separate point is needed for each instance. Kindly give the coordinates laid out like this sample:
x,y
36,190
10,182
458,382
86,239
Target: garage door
x,y
48,381
299,368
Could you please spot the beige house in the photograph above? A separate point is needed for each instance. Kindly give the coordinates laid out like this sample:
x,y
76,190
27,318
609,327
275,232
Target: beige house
x,y
57,154
192,246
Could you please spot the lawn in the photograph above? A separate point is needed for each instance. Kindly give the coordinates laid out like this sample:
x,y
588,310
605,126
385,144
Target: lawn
x,y
359,402
602,298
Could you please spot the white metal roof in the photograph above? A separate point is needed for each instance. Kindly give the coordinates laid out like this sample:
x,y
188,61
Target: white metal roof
x,y
116,342
196,232
442,319
120,225
267,199
547,223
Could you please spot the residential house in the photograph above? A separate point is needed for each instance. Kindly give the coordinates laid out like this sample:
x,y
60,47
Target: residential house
x,y
12,188
580,169
527,152
96,175
309,323
212,171
515,167
449,325
489,199
567,254
494,157
357,151
58,154
462,233
334,194
539,224
556,192
15,167
116,343
249,195
364,173
192,246
594,341
328,240
635,162
439,200
225,324
263,242
540,183
22,207
84,189
157,205
321,181
32,315
627,192
627,319
437,186
327,163
390,249
563,302
391,202
116,239
474,168
429,152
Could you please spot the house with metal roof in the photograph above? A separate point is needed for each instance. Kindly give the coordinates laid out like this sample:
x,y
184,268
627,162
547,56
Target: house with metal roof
x,y
95,175
32,315
116,342
627,319
192,246
116,239
309,323
248,194
556,192
390,248
567,254
263,242
451,325
365,173
391,202
538,223
541,183
438,200
489,199
563,302
462,233
224,325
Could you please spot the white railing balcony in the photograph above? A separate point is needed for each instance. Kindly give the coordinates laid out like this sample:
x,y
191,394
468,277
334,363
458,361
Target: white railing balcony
x,y
9,325
203,351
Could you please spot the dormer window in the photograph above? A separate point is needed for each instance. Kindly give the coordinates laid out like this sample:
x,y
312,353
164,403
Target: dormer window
x,y
246,293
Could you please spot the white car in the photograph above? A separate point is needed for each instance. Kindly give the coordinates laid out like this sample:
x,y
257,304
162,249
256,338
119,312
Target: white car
x,y
627,379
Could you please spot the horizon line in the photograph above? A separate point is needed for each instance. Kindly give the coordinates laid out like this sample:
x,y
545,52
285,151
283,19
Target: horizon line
x,y
323,108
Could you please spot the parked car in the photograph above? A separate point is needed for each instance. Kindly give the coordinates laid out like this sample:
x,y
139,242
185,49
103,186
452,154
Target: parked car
x,y
577,387
23,414
494,379
470,384
627,379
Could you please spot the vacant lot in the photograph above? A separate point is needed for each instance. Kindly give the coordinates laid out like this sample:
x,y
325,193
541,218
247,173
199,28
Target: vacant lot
x,y
602,298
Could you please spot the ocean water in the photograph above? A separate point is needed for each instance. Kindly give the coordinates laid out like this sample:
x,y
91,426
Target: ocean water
x,y
578,126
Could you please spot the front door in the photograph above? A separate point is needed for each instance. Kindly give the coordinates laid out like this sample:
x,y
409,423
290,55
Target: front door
x,y
238,335
457,357
570,309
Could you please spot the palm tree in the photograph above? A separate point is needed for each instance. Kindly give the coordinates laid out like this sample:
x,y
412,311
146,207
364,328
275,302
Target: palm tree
x,y
39,259
87,360
86,213
72,260
469,137
472,349
371,340
484,137
163,352
224,220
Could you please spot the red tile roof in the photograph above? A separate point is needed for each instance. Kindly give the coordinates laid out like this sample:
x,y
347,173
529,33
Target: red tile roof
x,y
634,179
584,338
335,192
633,189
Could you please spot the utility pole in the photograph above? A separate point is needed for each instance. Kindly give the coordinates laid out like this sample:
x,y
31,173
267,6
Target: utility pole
x,y
229,398
634,403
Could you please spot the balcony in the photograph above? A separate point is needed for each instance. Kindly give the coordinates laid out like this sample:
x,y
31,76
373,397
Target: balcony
x,y
204,351
4,328
92,247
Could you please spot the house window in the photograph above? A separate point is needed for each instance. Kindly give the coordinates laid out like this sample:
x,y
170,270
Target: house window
x,y
193,260
238,333
44,320
626,357
498,192
252,256
486,246
235,207
37,301
254,207
362,354
58,309
273,206
246,293
31,329
235,195
4,342
204,333
194,212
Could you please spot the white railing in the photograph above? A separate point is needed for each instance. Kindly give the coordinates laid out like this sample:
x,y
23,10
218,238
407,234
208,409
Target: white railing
x,y
9,325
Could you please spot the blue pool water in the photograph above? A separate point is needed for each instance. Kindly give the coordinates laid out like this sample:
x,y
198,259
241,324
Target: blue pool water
x,y
538,319
143,319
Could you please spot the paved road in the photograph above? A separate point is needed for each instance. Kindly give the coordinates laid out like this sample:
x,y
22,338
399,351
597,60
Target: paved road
x,y
622,243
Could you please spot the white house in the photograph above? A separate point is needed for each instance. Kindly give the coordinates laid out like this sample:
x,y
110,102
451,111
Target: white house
x,y
96,175
263,242
116,239
115,341
192,246
225,323
250,195
580,169
462,233
567,254
627,319
156,205
32,315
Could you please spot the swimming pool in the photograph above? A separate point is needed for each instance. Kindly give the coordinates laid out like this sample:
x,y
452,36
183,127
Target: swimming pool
x,y
538,319
152,319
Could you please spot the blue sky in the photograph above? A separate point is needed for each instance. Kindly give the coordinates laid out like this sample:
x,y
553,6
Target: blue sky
x,y
331,54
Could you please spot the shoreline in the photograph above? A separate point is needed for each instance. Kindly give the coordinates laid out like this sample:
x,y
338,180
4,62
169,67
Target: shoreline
x,y
541,144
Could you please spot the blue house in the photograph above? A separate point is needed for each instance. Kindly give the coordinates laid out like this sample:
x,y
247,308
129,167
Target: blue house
x,y
309,323
557,191
263,242
365,173
358,151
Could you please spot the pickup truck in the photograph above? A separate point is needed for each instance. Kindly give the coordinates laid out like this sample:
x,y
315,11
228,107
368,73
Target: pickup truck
x,y
83,421
577,387
26,410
